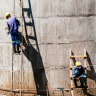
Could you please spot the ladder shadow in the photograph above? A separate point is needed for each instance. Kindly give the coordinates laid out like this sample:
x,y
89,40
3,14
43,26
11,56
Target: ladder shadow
x,y
86,93
91,73
33,55
37,67
74,60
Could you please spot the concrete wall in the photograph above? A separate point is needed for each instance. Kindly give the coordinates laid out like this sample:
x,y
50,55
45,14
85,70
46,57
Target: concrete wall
x,y
50,29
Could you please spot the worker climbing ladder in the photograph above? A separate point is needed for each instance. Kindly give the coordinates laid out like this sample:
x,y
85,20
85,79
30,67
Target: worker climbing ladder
x,y
72,66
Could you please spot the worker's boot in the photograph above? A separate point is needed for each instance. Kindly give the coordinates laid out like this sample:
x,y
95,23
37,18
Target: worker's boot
x,y
14,49
75,82
18,51
82,82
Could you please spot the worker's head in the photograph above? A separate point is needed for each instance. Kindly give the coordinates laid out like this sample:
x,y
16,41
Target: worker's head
x,y
7,15
78,65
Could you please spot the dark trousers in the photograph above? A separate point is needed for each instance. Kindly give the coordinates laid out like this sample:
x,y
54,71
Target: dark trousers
x,y
82,80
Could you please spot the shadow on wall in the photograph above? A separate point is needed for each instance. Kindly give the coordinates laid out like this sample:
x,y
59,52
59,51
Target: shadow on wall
x,y
33,55
92,7
91,73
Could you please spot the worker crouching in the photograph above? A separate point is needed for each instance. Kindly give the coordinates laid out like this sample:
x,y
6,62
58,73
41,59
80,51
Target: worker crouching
x,y
13,27
79,73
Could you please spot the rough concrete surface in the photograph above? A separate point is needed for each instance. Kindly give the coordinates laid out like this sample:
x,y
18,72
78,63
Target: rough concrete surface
x,y
50,28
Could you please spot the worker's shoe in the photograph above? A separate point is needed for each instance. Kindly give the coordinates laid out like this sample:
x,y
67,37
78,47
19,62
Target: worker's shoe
x,y
14,49
18,51
82,85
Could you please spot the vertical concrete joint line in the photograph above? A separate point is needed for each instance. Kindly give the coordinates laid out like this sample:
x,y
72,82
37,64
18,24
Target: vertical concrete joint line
x,y
12,63
14,7
21,1
12,77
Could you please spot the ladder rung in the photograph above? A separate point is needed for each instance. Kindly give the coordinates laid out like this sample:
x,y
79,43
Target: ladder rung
x,y
79,56
71,67
72,87
26,9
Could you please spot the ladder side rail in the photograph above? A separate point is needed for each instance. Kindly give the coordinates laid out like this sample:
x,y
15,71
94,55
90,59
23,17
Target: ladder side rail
x,y
71,71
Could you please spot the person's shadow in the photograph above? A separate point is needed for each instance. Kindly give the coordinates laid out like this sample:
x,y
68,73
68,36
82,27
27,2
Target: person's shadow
x,y
33,55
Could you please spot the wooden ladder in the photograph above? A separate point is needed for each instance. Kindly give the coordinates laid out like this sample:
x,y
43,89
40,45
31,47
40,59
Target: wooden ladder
x,y
72,66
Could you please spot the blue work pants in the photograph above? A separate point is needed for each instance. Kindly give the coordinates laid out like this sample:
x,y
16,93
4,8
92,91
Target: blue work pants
x,y
82,79
15,38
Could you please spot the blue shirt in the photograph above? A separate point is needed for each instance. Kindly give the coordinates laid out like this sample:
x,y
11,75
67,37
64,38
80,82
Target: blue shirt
x,y
12,23
78,72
